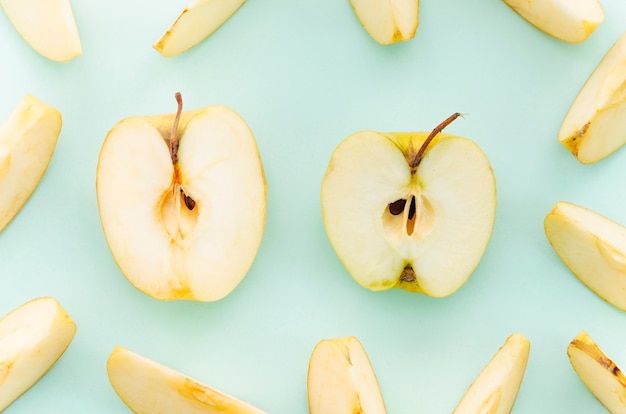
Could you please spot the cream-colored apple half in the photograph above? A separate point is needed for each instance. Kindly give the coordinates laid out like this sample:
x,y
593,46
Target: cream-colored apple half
x,y
48,26
592,247
409,210
341,379
148,387
27,141
495,389
196,22
595,124
32,338
388,21
598,372
569,20
182,201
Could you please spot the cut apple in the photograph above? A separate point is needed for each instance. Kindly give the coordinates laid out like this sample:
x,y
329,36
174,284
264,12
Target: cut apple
x,y
388,21
32,338
196,22
598,372
48,26
409,210
595,125
494,391
592,247
341,379
182,201
148,387
571,21
27,141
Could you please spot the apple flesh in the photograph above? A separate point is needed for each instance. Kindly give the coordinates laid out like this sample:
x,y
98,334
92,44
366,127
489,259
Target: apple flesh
x,y
409,210
388,21
341,379
32,338
27,141
182,201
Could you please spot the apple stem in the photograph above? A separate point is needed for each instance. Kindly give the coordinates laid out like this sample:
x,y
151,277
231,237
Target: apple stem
x,y
415,162
173,135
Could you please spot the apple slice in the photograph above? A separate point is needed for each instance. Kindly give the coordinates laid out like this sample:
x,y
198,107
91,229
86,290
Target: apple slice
x,y
341,379
495,389
148,387
182,201
595,125
388,21
598,372
32,338
27,141
409,210
48,26
592,247
196,22
571,21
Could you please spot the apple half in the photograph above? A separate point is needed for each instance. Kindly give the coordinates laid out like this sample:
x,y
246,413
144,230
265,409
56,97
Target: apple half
x,y
570,21
341,379
148,387
388,21
48,26
598,372
409,210
592,247
27,141
495,389
182,201
595,124
196,22
32,338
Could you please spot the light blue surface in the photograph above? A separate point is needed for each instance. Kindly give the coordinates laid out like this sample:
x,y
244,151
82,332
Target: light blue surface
x,y
304,75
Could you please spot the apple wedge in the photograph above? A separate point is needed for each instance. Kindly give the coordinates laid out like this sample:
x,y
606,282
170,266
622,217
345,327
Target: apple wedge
x,y
27,141
495,389
595,124
182,201
32,338
148,387
409,210
341,379
592,247
48,26
196,22
388,21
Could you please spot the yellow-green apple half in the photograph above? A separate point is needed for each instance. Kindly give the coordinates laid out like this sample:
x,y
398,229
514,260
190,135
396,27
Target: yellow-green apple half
x,y
182,201
341,379
27,141
409,210
598,372
48,26
196,22
388,21
571,21
592,247
32,338
595,124
148,387
495,389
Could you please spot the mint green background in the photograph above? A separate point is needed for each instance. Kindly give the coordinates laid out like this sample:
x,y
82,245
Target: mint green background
x,y
304,75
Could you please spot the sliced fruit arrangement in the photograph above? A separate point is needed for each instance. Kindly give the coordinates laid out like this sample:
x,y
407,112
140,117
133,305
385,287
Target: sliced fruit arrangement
x,y
592,247
409,210
148,387
182,201
48,26
495,389
571,21
32,338
341,379
27,141
388,21
196,22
